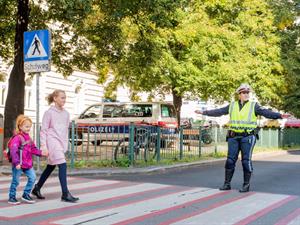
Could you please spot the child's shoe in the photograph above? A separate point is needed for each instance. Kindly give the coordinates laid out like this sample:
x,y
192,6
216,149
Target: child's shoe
x,y
27,198
13,201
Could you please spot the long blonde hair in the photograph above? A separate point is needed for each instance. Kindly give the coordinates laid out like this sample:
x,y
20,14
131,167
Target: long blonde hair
x,y
55,93
20,120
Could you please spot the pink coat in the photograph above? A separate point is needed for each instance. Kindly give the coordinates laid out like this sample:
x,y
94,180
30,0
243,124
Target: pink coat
x,y
54,134
29,149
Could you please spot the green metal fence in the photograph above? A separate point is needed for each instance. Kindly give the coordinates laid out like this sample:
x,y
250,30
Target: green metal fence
x,y
143,143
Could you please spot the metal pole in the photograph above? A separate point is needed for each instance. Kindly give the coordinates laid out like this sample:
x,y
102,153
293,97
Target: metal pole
x,y
73,143
181,142
37,134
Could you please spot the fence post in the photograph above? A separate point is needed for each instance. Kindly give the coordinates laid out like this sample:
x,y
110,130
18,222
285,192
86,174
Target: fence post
x,y
158,144
72,143
270,138
131,143
1,136
280,133
180,142
216,140
200,140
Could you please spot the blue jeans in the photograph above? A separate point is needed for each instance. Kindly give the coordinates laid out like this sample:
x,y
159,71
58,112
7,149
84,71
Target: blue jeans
x,y
16,180
243,144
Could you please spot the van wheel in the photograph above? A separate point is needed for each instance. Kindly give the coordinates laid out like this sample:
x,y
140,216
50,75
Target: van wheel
x,y
77,140
98,142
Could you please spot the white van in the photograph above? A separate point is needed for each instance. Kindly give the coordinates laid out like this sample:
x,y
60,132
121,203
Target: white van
x,y
114,118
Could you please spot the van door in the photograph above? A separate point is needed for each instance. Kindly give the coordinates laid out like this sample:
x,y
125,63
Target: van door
x,y
167,116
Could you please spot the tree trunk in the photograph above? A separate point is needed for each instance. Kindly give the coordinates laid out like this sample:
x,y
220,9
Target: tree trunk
x,y
177,101
14,104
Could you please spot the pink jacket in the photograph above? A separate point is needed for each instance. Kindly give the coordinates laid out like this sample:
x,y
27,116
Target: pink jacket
x,y
28,150
54,134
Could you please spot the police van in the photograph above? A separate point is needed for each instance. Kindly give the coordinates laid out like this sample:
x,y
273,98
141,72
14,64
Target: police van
x,y
111,120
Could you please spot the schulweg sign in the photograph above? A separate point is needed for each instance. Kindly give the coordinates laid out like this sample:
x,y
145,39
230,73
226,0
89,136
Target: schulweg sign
x,y
37,51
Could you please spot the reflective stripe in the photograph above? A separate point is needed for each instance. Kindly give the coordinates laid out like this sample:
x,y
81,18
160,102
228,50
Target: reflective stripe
x,y
242,122
250,111
231,108
250,153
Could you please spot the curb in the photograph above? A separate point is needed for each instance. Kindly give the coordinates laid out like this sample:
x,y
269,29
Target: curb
x,y
147,170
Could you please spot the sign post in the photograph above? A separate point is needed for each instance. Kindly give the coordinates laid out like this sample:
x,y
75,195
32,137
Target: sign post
x,y
37,59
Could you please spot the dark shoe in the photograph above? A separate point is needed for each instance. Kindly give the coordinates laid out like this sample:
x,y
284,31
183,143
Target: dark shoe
x,y
37,192
228,176
27,198
245,188
225,187
246,184
68,198
13,201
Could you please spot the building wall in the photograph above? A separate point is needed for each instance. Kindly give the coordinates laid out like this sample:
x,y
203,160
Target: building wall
x,y
81,89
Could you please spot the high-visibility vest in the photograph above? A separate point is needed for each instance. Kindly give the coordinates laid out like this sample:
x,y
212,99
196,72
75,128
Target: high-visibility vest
x,y
243,120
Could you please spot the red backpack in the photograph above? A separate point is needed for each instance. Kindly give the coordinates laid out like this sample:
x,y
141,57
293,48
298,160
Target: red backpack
x,y
7,150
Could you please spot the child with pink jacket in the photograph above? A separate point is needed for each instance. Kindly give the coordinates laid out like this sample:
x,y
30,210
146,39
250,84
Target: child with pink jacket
x,y
21,150
54,138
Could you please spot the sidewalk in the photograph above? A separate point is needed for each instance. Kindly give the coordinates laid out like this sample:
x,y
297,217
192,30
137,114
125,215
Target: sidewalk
x,y
146,170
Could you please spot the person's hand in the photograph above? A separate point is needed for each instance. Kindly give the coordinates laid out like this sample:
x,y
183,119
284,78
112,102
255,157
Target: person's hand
x,y
45,152
44,148
18,167
199,111
285,116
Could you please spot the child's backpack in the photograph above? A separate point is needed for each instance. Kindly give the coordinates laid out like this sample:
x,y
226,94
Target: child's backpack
x,y
7,150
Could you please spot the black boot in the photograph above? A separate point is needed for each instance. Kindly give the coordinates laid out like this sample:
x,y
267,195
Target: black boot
x,y
67,197
228,176
246,184
37,192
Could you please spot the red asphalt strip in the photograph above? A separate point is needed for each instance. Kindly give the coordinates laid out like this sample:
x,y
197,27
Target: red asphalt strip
x,y
216,205
160,212
266,210
289,217
49,221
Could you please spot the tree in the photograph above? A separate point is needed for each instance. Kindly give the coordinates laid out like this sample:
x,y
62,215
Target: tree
x,y
64,19
200,48
286,13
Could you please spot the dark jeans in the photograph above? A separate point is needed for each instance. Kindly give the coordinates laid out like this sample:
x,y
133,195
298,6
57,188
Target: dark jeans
x,y
62,174
243,144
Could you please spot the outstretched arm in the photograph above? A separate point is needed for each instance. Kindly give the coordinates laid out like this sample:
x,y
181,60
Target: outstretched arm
x,y
214,112
261,111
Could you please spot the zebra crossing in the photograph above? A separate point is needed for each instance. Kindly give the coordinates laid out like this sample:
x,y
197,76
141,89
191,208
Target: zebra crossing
x,y
122,202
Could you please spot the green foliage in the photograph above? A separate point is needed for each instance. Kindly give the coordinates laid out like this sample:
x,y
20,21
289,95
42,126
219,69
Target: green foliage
x,y
202,49
64,18
289,31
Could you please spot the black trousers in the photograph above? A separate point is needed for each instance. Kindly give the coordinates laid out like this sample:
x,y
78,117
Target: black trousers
x,y
62,174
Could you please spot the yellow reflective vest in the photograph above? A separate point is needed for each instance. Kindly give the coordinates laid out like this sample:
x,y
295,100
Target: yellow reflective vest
x,y
243,120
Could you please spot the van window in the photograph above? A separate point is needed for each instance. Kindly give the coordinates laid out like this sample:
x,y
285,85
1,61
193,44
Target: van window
x,y
168,111
92,112
127,110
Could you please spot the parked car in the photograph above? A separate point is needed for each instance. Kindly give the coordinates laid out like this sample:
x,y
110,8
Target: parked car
x,y
110,120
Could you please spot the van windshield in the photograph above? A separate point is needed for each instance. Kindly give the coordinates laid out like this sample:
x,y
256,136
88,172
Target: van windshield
x,y
168,111
128,110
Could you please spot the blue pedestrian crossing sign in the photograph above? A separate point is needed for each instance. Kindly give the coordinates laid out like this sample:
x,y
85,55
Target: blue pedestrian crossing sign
x,y
37,51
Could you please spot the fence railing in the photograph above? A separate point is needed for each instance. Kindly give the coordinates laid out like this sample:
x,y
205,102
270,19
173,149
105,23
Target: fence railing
x,y
136,143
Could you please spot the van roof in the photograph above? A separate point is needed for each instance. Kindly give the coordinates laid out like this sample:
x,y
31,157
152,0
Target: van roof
x,y
121,103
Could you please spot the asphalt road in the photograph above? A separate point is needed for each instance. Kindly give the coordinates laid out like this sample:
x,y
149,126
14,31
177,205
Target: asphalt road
x,y
187,196
273,174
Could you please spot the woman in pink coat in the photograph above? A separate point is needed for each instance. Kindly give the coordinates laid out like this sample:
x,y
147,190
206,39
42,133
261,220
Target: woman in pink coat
x,y
54,137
